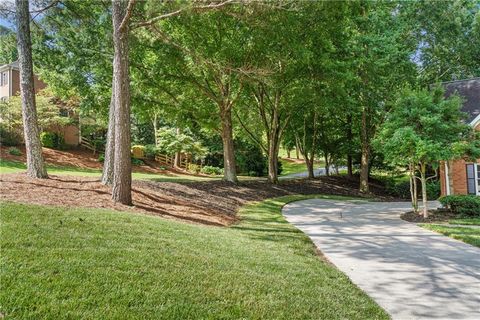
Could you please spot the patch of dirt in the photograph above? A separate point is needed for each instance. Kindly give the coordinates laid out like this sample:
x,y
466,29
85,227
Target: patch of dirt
x,y
439,215
209,202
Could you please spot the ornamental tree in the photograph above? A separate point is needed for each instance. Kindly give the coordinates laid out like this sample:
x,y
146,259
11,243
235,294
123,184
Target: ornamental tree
x,y
422,129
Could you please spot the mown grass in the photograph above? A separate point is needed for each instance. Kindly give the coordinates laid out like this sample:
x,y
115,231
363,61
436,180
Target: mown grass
x,y
8,166
465,234
289,167
59,263
466,221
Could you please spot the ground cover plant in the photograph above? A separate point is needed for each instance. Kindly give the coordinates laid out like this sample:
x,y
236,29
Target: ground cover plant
x,y
92,263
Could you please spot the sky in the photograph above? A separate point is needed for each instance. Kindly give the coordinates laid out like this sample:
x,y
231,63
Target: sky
x,y
5,23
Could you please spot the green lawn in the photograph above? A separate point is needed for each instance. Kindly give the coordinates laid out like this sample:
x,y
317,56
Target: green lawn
x,y
465,234
289,167
60,263
466,221
7,166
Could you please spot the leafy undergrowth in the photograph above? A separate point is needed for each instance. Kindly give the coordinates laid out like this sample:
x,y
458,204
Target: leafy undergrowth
x,y
465,234
100,264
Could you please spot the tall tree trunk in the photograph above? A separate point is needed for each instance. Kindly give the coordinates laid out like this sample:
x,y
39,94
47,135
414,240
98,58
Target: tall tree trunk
x,y
273,159
35,164
273,148
310,170
297,153
364,164
350,142
177,163
229,164
155,128
109,159
350,166
288,153
122,171
327,165
423,179
413,188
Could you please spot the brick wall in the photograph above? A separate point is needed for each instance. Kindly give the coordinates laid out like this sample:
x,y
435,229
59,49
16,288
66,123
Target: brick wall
x,y
459,177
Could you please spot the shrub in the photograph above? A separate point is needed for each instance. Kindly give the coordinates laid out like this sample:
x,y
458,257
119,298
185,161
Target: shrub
x,y
14,151
9,138
52,140
464,205
101,157
399,189
433,190
137,162
48,139
192,167
151,151
212,170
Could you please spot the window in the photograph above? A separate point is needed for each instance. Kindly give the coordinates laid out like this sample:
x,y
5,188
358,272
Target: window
x,y
477,171
4,79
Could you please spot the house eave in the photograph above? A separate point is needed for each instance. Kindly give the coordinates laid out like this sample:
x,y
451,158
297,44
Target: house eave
x,y
475,121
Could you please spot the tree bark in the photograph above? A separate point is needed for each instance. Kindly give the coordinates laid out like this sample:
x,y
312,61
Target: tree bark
x,y
364,164
349,166
288,154
413,188
122,171
273,159
109,159
229,164
35,164
350,141
423,179
155,128
309,162
327,165
296,151
177,163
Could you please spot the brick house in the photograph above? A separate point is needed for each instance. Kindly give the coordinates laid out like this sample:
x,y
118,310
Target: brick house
x,y
460,176
10,86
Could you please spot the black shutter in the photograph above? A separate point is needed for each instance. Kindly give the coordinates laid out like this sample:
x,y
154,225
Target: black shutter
x,y
471,188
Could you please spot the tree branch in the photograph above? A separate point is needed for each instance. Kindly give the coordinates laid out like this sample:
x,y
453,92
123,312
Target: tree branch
x,y
128,14
179,11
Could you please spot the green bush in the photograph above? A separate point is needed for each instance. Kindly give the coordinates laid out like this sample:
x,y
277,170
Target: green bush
x,y
399,189
48,139
101,157
9,138
212,170
137,162
433,190
52,140
195,168
463,205
151,151
14,151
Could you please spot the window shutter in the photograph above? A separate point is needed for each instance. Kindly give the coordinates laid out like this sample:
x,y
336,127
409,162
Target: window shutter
x,y
471,179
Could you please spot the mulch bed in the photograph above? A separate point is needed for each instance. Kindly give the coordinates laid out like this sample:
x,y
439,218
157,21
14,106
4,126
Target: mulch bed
x,y
209,202
440,215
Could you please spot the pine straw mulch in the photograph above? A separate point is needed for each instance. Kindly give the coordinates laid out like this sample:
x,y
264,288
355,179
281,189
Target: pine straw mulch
x,y
210,202
439,215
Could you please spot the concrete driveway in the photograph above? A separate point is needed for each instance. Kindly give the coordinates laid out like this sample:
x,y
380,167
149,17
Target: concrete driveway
x,y
411,272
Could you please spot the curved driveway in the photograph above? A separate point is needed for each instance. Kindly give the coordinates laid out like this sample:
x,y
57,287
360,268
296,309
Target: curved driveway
x,y
411,272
